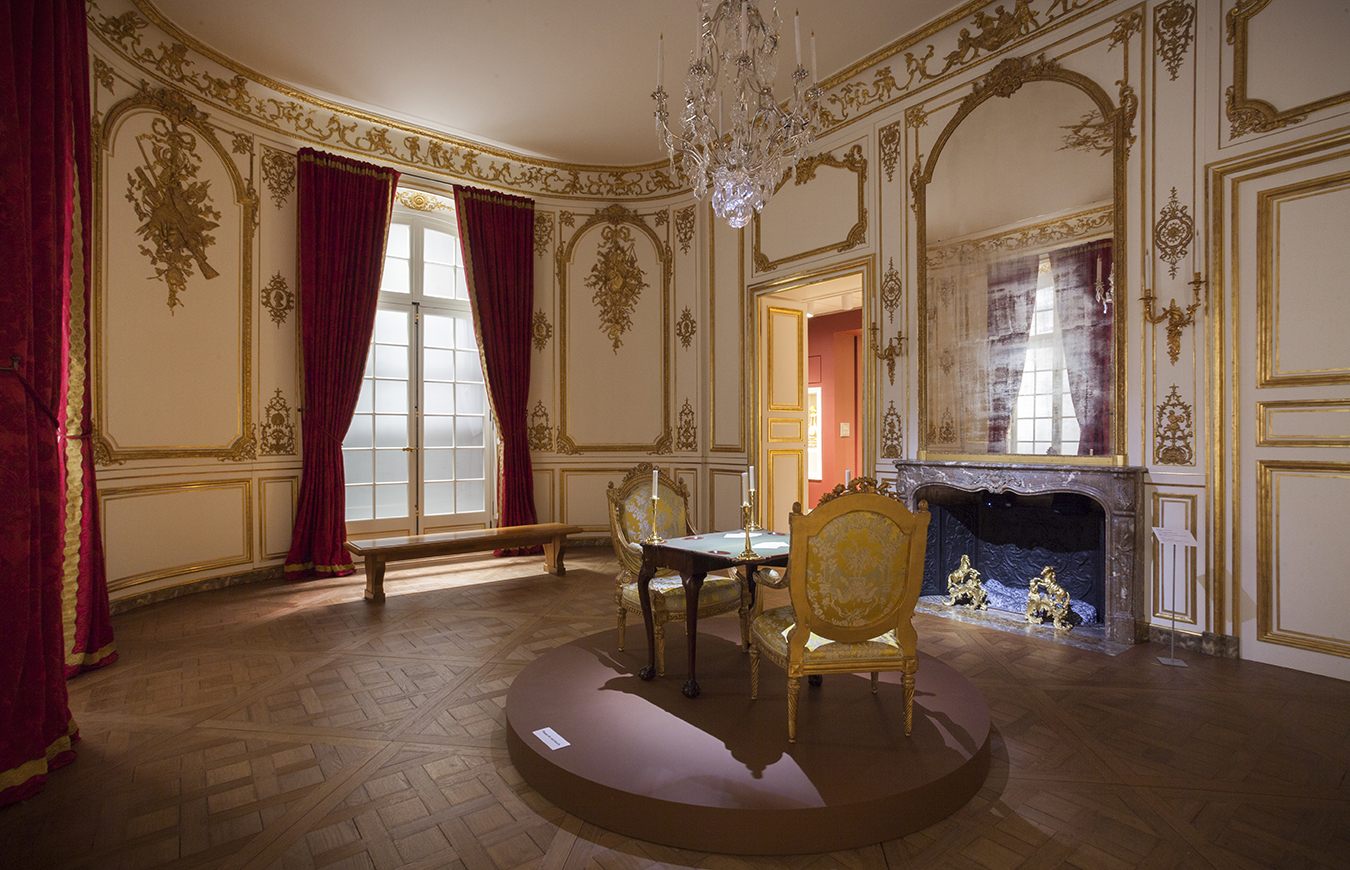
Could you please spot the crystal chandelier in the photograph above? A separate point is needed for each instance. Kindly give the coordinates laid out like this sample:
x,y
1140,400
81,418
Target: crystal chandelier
x,y
733,70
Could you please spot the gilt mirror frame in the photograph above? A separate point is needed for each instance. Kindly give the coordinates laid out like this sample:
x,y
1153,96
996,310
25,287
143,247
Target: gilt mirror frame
x,y
1004,80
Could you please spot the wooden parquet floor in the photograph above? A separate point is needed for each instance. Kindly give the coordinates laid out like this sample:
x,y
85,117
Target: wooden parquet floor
x,y
294,726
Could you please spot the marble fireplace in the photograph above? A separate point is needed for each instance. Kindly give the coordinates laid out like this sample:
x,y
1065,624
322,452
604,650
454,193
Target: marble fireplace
x,y
1118,490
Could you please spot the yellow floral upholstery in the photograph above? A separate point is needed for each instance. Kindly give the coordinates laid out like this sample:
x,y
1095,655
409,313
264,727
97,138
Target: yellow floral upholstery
x,y
630,523
855,565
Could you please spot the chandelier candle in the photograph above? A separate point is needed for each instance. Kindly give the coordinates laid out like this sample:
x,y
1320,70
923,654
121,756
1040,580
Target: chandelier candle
x,y
738,165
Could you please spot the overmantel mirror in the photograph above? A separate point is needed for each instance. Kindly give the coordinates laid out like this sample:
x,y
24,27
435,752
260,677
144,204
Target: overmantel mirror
x,y
1018,203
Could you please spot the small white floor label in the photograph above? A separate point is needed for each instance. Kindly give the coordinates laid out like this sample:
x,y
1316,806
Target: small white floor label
x,y
551,738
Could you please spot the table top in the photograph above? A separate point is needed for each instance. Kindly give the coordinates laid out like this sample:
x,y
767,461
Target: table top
x,y
729,545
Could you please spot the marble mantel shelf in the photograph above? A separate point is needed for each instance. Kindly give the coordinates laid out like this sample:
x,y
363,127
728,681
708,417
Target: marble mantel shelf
x,y
1118,489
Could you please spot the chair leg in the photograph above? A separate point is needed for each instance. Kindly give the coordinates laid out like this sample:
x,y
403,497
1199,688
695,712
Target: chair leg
x,y
794,684
909,702
754,672
622,625
745,617
874,680
660,641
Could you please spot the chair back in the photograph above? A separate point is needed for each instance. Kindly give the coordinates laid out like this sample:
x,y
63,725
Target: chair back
x,y
630,512
856,564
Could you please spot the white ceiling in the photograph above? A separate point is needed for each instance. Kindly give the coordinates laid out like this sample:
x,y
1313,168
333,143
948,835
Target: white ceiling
x,y
567,80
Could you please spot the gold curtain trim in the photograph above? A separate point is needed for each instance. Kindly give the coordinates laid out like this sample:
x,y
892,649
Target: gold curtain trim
x,y
499,198
19,775
322,569
76,659
77,330
332,162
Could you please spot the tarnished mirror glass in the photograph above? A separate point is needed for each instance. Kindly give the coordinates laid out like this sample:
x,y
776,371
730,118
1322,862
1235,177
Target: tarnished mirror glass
x,y
1018,351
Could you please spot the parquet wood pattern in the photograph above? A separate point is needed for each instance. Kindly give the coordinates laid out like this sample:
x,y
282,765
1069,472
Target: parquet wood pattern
x,y
289,726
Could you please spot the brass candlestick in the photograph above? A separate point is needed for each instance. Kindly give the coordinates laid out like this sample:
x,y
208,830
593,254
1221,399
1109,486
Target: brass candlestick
x,y
654,537
749,508
749,552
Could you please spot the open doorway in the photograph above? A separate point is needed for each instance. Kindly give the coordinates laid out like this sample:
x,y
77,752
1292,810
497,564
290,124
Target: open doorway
x,y
812,389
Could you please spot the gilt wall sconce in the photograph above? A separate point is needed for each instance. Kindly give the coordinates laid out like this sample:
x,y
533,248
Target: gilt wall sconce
x,y
1176,318
895,348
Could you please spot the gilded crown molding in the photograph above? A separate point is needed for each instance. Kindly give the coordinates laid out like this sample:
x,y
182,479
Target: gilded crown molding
x,y
180,61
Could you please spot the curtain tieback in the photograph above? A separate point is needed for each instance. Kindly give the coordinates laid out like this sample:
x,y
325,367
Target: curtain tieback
x,y
28,388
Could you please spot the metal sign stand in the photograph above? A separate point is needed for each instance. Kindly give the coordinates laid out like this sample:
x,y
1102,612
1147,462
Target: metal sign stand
x,y
1178,538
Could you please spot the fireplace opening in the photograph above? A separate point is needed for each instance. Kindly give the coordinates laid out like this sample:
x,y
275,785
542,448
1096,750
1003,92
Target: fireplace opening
x,y
1011,538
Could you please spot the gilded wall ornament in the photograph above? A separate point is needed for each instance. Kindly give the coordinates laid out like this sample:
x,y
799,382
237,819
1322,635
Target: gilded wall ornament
x,y
1010,74
892,429
685,327
418,200
858,95
566,218
618,281
1172,23
1172,437
540,435
889,142
686,432
891,290
540,330
994,32
102,73
242,143
278,170
664,444
663,217
174,207
1246,113
1172,233
243,449
1065,229
1092,134
1244,118
543,232
684,227
915,180
895,348
278,299
1128,111
1127,25
277,430
1177,320
947,434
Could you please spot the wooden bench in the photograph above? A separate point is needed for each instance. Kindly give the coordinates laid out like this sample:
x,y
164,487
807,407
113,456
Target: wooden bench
x,y
378,551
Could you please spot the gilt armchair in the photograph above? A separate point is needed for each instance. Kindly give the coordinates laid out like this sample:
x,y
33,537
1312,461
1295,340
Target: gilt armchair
x,y
855,568
630,523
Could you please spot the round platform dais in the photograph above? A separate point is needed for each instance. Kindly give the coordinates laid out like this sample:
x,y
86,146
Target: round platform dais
x,y
717,773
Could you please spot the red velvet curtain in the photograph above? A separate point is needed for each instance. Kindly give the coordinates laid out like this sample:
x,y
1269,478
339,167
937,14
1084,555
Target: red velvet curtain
x,y
496,233
345,206
44,244
1012,300
1086,330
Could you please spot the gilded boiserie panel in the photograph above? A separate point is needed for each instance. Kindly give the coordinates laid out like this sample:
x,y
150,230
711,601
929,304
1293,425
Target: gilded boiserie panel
x,y
1174,574
1300,252
1303,423
278,497
1302,598
159,531
727,305
173,297
614,337
833,190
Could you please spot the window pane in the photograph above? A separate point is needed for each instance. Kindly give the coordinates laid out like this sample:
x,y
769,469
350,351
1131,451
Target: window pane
x,y
439,247
1043,432
391,430
438,281
400,240
469,495
391,361
438,331
391,466
1070,431
357,467
360,434
461,287
471,398
391,500
467,367
1043,406
365,402
469,431
391,397
360,503
439,365
438,464
438,398
440,498
391,327
464,336
469,463
396,277
438,431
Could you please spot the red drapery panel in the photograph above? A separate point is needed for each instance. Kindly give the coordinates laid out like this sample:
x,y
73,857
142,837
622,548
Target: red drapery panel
x,y
1086,329
496,232
44,134
345,207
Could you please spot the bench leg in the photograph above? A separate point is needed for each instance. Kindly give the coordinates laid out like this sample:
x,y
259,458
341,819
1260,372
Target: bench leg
x,y
553,555
375,579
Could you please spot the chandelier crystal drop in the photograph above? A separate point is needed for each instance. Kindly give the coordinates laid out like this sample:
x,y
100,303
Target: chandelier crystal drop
x,y
732,73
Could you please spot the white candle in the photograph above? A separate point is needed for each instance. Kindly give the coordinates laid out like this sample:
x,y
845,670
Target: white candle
x,y
1099,269
815,70
745,20
797,35
848,475
745,488
656,494
660,60
752,478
